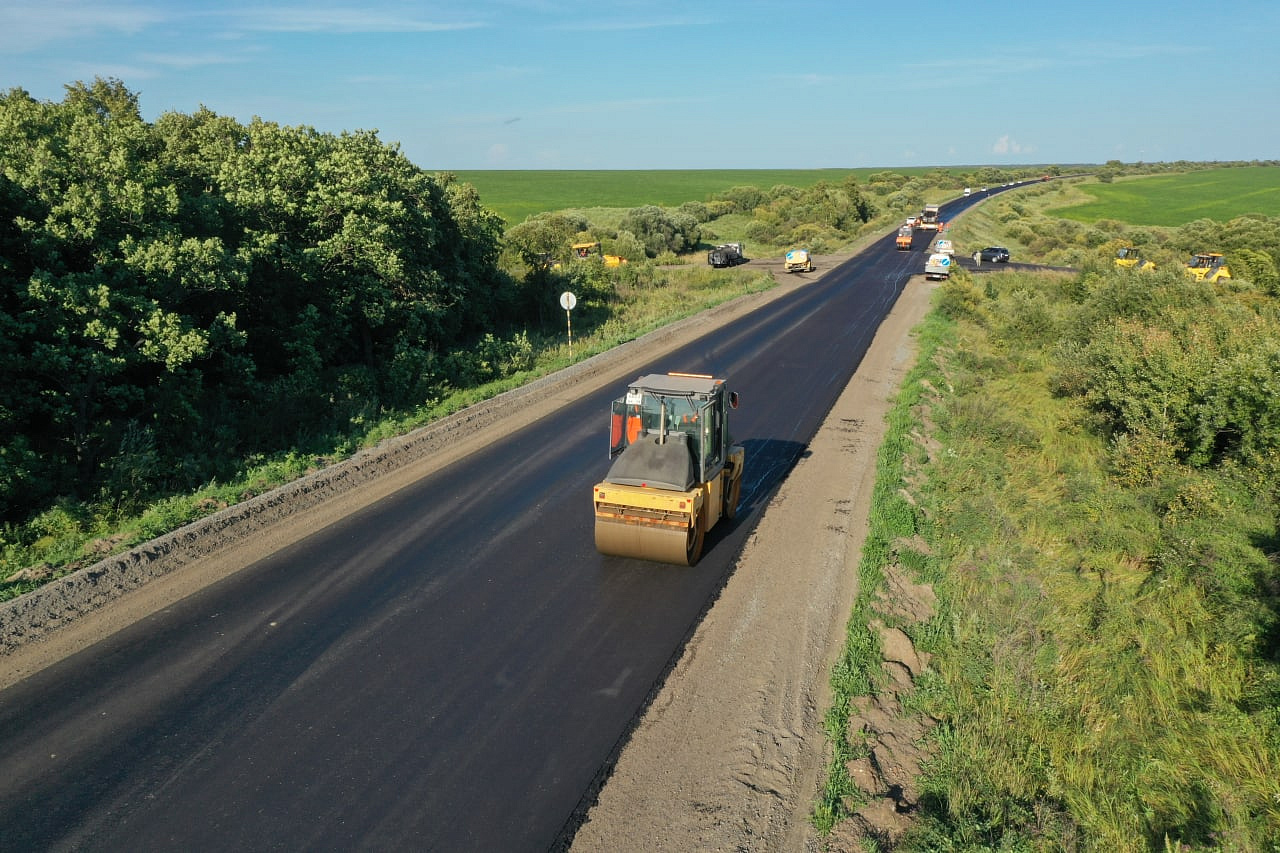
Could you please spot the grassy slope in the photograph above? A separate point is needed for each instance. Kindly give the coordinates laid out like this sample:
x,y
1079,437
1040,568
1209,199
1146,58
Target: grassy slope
x,y
1171,200
1104,672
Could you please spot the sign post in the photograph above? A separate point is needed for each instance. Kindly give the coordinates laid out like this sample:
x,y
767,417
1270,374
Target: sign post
x,y
567,301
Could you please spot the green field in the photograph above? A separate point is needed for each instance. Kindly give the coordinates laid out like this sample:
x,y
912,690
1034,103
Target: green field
x,y
516,195
1173,200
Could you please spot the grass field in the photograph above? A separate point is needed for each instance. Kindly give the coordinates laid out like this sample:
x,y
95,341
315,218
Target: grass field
x,y
516,195
1173,200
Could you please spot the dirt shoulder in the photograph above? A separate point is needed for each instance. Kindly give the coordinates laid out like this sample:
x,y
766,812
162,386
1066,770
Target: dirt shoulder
x,y
731,753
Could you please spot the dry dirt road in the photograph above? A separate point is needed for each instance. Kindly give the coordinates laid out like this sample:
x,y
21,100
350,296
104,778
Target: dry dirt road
x,y
731,752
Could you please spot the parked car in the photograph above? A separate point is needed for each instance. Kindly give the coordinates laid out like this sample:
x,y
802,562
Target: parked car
x,y
992,254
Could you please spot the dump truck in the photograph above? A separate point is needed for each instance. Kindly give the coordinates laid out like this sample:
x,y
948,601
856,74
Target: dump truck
x,y
938,267
929,217
1208,266
798,260
726,255
675,472
903,241
1127,257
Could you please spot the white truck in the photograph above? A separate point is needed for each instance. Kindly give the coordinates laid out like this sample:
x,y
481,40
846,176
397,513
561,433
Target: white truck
x,y
929,217
938,267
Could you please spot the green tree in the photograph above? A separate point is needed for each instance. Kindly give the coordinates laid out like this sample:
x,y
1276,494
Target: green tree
x,y
177,294
661,230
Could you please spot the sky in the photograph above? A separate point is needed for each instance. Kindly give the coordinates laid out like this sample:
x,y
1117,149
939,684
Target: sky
x,y
652,84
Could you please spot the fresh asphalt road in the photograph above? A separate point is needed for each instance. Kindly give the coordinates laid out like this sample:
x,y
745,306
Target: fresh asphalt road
x,y
447,669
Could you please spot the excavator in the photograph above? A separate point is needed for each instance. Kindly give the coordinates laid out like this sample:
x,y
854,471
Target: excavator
x,y
592,249
675,472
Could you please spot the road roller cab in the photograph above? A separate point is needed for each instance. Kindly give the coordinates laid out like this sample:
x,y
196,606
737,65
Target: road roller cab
x,y
676,471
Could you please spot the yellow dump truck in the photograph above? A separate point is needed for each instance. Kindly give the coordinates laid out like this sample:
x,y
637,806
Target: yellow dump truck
x,y
675,473
798,260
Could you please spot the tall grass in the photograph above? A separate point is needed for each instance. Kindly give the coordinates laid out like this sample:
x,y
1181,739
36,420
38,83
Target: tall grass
x,y
1110,675
1176,199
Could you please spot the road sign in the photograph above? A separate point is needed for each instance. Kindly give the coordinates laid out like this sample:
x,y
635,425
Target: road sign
x,y
567,301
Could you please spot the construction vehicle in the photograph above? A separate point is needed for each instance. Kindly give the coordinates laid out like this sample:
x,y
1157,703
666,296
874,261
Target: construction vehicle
x,y
798,260
1127,257
592,249
929,218
676,471
943,246
1208,266
938,267
903,241
726,255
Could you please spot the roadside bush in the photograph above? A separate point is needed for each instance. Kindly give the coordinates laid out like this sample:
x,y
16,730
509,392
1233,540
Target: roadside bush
x,y
699,211
959,297
626,245
740,199
1257,267
1201,379
490,358
659,230
1025,318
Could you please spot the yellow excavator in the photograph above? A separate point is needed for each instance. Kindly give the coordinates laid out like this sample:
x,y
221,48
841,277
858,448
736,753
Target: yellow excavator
x,y
1127,257
1208,266
676,471
587,250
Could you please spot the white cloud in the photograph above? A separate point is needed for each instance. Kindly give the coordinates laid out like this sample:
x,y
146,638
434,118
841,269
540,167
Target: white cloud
x,y
1008,145
307,19
189,60
600,24
27,26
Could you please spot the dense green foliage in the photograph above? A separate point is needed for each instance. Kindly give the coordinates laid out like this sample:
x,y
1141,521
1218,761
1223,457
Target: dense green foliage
x,y
1098,488
177,296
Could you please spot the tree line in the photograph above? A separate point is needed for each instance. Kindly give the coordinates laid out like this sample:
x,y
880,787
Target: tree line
x,y
176,296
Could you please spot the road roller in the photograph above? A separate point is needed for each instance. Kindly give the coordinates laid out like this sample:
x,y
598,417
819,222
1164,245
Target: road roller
x,y
675,471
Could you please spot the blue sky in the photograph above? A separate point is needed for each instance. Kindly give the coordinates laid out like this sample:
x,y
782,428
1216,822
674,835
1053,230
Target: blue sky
x,y
545,84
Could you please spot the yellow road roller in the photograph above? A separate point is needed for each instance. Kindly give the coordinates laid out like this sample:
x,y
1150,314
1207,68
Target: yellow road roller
x,y
1208,266
675,472
1127,257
